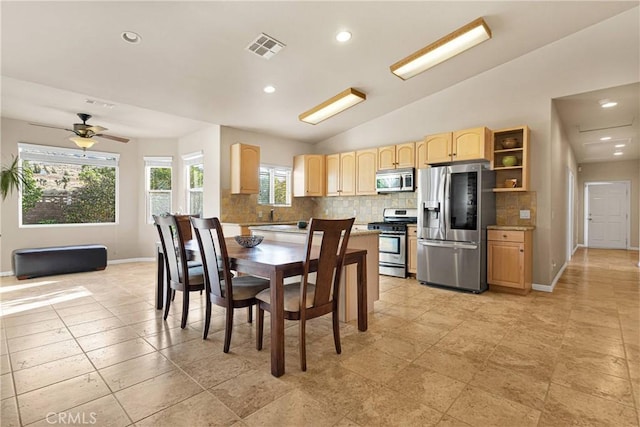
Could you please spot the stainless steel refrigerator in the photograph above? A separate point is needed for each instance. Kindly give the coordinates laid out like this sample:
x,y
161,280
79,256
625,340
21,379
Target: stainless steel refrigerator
x,y
455,204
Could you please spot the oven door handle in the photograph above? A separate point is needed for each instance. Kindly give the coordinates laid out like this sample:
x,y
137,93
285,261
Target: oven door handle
x,y
452,245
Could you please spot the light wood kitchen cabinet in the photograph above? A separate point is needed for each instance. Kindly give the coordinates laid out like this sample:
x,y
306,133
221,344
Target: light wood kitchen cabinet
x,y
341,174
396,156
366,162
513,143
461,145
412,249
421,154
308,175
245,169
510,260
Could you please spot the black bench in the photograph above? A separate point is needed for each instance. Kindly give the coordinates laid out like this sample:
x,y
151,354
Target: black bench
x,y
36,262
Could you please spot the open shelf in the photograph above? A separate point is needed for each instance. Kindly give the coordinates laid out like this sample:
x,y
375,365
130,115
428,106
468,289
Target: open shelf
x,y
506,176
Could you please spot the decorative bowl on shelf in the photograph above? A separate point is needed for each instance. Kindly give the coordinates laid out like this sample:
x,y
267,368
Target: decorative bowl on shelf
x,y
509,143
510,183
249,241
508,161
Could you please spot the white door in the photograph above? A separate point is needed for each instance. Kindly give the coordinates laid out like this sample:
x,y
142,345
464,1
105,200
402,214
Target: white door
x,y
607,213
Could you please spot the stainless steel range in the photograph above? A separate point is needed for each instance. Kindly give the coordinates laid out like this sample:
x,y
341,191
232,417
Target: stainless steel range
x,y
393,239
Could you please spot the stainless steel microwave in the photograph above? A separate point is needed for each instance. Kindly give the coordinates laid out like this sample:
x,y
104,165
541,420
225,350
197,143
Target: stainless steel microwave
x,y
389,181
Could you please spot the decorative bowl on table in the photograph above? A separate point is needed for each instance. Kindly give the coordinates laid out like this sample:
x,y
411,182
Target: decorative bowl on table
x,y
249,241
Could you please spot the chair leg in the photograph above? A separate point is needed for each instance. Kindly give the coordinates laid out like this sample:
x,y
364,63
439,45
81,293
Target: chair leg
x,y
336,331
228,328
173,294
303,345
259,327
207,320
167,302
250,314
185,308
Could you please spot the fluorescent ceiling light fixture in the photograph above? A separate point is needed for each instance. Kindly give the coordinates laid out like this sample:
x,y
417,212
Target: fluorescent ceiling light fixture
x,y
131,37
619,145
618,153
605,138
605,103
345,99
439,51
269,89
83,143
343,36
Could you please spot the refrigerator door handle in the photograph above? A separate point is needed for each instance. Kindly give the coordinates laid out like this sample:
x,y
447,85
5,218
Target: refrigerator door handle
x,y
448,244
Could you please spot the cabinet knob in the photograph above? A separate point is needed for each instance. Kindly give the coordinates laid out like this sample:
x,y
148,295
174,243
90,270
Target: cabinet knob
x,y
454,154
504,235
521,250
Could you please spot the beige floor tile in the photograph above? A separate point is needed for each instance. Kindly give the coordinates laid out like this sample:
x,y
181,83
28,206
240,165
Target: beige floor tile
x,y
191,351
471,347
218,368
34,328
294,409
513,385
170,337
594,383
420,332
106,338
156,394
572,358
52,372
390,408
453,365
95,326
6,386
400,346
522,360
103,412
439,321
478,407
374,365
29,318
61,396
79,309
430,388
38,340
76,319
448,421
134,371
5,364
47,353
154,326
346,422
565,406
131,307
9,413
250,391
120,352
203,409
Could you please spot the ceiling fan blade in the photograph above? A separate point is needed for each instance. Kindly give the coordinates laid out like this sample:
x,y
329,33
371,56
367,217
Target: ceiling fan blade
x,y
52,127
114,138
96,129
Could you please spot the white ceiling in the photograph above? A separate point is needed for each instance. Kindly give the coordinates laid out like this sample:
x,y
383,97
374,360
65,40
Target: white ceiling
x,y
191,68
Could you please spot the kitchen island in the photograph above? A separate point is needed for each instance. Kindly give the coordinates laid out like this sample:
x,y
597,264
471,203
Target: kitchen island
x,y
359,239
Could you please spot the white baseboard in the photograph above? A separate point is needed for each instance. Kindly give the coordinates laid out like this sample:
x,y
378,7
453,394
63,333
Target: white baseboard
x,y
127,260
6,273
581,245
551,287
633,248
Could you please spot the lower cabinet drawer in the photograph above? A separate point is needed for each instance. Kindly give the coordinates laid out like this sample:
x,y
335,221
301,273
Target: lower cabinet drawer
x,y
505,236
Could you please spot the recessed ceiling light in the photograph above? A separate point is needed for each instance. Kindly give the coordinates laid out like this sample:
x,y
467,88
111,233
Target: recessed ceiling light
x,y
343,36
131,37
605,138
618,153
269,89
606,103
620,145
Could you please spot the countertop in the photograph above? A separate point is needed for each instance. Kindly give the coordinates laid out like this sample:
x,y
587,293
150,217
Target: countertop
x,y
290,228
511,227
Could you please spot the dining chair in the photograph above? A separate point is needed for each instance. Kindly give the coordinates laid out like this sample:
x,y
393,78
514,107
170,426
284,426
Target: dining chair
x,y
180,276
221,287
305,300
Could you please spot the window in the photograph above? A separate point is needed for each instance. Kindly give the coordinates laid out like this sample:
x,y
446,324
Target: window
x,y
194,167
67,186
275,186
158,186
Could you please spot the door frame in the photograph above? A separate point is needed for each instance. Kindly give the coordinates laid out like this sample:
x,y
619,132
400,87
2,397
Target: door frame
x,y
570,213
585,219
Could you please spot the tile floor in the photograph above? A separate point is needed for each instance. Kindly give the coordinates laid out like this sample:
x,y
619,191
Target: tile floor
x,y
90,348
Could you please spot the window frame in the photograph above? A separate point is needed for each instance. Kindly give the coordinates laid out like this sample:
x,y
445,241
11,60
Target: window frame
x,y
55,154
160,163
272,170
190,160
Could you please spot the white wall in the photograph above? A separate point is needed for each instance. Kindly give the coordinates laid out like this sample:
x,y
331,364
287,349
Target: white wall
x,y
517,93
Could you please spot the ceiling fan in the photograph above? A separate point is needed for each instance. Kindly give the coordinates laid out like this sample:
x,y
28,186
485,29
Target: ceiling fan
x,y
85,132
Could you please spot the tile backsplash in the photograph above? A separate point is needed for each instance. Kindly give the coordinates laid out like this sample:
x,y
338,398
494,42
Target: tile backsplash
x,y
244,208
508,206
366,208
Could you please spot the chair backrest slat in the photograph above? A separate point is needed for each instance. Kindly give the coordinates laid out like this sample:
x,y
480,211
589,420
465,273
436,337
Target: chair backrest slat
x,y
215,259
335,238
173,247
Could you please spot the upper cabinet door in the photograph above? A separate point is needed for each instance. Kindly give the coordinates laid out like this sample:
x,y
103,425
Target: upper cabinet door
x,y
308,175
387,157
421,155
366,172
405,157
438,148
348,174
471,144
333,174
245,169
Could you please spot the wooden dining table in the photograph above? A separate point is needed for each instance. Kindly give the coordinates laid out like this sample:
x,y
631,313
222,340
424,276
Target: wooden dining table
x,y
276,260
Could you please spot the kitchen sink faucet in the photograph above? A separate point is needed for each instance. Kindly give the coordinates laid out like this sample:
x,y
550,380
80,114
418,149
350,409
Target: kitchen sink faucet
x,y
271,215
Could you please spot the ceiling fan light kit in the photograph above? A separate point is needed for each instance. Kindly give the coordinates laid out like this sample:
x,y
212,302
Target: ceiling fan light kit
x,y
332,106
445,48
83,143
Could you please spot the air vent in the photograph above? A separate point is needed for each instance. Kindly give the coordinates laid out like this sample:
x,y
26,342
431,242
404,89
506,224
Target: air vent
x,y
265,46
